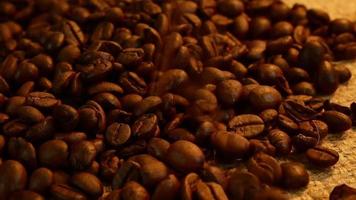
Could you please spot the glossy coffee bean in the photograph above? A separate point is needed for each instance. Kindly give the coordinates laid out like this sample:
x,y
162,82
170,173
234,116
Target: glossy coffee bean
x,y
294,175
243,185
41,179
13,177
343,191
88,183
185,156
264,97
281,141
230,145
53,153
82,154
247,125
337,121
322,157
265,167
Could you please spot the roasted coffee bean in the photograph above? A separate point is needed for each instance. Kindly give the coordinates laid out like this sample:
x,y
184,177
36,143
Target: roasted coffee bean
x,y
327,80
287,124
148,104
144,168
281,141
92,117
229,91
342,192
133,190
42,130
247,125
131,82
322,157
294,175
30,114
168,188
315,128
337,121
185,156
82,154
180,134
158,147
192,186
63,191
107,101
41,179
265,167
260,26
262,146
53,153
129,101
264,97
13,177
14,128
71,137
13,103
146,126
343,73
305,88
23,151
118,134
215,174
243,185
230,145
66,117
88,183
26,195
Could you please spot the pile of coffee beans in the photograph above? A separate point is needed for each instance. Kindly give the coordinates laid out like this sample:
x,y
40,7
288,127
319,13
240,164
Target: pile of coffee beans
x,y
159,99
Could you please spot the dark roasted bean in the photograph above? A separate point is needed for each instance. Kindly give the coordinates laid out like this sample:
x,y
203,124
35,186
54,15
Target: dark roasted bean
x,y
294,175
322,157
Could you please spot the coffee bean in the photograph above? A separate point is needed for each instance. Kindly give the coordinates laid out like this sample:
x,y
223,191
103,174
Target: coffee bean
x,y
92,117
146,169
23,151
243,185
118,134
53,153
342,191
66,117
82,154
26,194
13,177
133,190
287,124
42,130
41,179
327,79
229,91
158,147
185,156
148,104
168,188
322,157
247,125
146,126
343,73
63,191
294,175
265,167
337,121
264,97
281,141
230,145
88,183
71,137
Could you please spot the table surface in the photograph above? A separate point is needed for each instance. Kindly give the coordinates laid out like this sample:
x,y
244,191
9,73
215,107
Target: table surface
x,y
323,181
